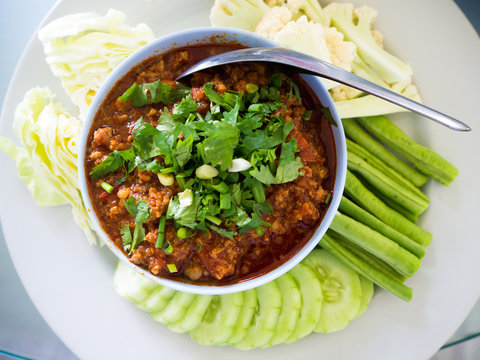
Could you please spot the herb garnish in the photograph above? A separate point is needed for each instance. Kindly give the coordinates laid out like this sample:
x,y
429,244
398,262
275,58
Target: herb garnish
x,y
247,127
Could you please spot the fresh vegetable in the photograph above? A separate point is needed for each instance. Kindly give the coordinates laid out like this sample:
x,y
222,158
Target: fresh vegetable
x,y
364,268
349,208
311,292
321,293
342,292
241,14
426,160
395,190
367,200
48,161
355,24
375,243
83,49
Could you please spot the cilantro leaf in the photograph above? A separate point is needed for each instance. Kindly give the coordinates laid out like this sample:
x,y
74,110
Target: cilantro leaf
x,y
288,164
220,141
224,232
114,161
181,110
153,93
183,151
140,211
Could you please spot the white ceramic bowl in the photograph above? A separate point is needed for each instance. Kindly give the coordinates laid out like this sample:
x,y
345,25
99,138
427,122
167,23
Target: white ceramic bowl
x,y
203,36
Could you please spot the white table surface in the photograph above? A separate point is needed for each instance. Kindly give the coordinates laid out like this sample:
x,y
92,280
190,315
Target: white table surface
x,y
23,332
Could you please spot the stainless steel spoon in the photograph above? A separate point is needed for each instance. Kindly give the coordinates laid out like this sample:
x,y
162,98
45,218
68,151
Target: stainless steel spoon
x,y
310,65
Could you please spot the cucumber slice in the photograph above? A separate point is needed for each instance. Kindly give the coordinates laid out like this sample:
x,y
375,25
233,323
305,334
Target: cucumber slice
x,y
219,321
245,317
367,294
290,312
193,315
157,300
130,285
312,301
176,308
341,288
264,322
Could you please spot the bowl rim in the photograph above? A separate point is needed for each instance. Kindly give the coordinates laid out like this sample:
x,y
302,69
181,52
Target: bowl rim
x,y
203,35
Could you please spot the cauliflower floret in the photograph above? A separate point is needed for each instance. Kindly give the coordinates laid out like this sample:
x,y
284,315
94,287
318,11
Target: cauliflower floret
x,y
344,92
273,21
310,8
242,14
356,25
341,52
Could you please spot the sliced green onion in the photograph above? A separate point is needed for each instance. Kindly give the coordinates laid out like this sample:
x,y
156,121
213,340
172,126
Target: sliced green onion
x,y
222,187
327,198
161,232
260,230
256,107
251,88
214,219
258,191
169,248
165,179
172,268
107,187
229,222
181,182
182,233
206,172
225,202
308,115
167,170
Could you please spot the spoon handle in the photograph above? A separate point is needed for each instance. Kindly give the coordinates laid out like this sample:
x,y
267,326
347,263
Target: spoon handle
x,y
309,64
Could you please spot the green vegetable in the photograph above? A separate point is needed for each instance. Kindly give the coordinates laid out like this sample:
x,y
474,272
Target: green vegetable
x,y
262,325
368,201
161,232
47,163
193,315
251,88
176,307
82,51
357,134
140,211
173,269
219,320
107,187
365,269
349,208
312,301
182,233
342,293
375,243
126,236
391,188
154,93
424,159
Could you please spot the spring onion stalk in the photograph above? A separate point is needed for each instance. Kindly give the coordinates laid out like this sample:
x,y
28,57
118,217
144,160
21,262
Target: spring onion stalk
x,y
107,187
225,202
361,137
386,185
214,219
363,268
172,268
375,243
161,232
349,208
367,200
424,159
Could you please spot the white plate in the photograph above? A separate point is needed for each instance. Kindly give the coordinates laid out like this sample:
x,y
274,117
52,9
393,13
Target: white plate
x,y
71,282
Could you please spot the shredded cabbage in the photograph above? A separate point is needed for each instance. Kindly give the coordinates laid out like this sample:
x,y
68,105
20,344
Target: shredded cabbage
x,y
83,49
48,163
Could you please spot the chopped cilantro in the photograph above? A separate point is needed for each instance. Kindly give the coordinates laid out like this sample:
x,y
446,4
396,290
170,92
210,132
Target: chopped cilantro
x,y
237,125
